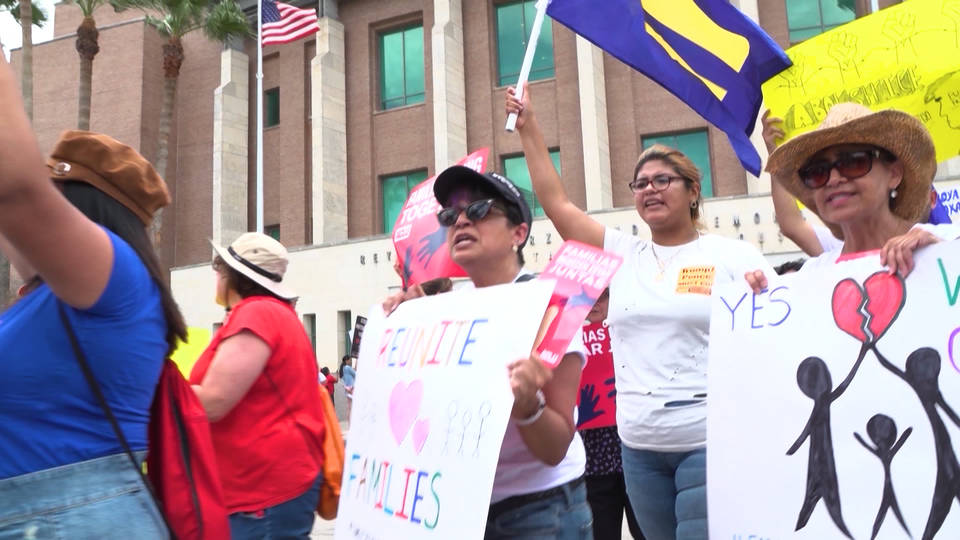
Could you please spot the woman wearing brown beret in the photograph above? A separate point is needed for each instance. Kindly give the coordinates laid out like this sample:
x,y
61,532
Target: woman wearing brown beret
x,y
82,241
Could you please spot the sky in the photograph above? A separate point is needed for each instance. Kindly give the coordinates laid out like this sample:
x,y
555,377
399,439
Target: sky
x,y
10,30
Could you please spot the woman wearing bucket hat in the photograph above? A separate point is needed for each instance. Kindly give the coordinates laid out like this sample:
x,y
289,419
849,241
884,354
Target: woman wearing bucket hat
x,y
539,479
867,176
257,381
81,243
659,317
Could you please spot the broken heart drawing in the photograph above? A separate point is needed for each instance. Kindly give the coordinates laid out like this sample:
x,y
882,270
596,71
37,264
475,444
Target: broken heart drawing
x,y
866,312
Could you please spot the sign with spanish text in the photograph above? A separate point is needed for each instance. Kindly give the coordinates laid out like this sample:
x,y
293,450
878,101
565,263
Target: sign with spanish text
x,y
834,401
904,57
582,272
431,405
419,240
596,404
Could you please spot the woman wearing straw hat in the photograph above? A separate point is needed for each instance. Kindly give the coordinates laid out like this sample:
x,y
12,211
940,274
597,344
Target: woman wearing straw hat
x,y
659,324
867,175
81,243
257,382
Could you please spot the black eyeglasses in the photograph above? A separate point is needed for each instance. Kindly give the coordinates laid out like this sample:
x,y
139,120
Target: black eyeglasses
x,y
660,182
850,165
475,211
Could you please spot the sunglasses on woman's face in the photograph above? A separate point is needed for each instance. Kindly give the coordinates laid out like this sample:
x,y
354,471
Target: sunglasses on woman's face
x,y
850,165
475,211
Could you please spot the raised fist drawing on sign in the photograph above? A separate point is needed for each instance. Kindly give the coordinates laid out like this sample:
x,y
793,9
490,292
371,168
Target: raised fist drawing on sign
x,y
843,49
900,29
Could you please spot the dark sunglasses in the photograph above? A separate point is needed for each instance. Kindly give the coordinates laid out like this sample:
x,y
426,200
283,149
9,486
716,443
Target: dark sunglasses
x,y
475,211
850,165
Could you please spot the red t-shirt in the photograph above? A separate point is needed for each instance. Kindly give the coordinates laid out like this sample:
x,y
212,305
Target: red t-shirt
x,y
329,383
269,446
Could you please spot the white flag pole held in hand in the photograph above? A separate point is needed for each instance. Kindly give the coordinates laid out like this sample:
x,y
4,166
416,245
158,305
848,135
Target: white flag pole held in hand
x,y
528,59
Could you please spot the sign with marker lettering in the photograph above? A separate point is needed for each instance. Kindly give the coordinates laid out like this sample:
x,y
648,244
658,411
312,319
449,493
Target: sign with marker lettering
x,y
834,405
431,405
582,272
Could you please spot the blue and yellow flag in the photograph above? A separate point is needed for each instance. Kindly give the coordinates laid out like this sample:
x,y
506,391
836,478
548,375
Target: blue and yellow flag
x,y
705,52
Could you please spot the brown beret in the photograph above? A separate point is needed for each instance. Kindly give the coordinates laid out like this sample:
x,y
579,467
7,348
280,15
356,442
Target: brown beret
x,y
112,167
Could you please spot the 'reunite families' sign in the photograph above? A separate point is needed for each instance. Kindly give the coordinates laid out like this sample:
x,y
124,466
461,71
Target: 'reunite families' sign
x,y
834,401
431,406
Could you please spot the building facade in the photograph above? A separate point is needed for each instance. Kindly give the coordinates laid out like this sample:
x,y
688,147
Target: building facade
x,y
386,94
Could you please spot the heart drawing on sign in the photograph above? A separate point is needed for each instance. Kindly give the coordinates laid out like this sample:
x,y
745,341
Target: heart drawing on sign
x,y
866,312
405,402
420,431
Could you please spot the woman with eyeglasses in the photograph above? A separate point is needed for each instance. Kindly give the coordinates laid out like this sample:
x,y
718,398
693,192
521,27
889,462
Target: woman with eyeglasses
x,y
539,486
867,175
659,317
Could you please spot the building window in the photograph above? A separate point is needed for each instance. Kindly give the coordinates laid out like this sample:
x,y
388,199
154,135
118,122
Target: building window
x,y
273,231
695,146
395,189
310,325
344,331
271,107
807,18
515,168
514,20
401,67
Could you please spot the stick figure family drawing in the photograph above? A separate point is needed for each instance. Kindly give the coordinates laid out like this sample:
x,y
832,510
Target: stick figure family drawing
x,y
866,313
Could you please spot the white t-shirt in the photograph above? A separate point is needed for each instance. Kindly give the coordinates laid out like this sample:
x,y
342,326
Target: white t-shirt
x,y
946,232
828,242
659,328
520,472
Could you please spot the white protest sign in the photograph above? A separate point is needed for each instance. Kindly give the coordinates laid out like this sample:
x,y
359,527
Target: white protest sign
x,y
431,406
833,404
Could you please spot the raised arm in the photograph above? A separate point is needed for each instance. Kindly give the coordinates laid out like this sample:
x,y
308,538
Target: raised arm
x,y
49,235
803,436
789,218
864,443
903,439
571,222
838,391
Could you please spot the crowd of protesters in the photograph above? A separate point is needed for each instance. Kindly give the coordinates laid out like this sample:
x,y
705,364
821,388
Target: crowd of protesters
x,y
81,244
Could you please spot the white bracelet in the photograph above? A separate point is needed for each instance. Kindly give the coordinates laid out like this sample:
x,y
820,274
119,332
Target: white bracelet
x,y
542,404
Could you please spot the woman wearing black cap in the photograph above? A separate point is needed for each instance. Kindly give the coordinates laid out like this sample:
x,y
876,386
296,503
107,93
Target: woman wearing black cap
x,y
81,242
539,479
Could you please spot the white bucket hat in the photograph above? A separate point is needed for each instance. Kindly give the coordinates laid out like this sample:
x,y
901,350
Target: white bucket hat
x,y
259,258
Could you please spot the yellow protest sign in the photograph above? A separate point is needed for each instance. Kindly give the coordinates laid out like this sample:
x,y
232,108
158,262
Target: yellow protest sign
x,y
904,57
186,354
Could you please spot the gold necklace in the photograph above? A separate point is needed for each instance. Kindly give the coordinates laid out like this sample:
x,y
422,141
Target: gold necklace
x,y
663,265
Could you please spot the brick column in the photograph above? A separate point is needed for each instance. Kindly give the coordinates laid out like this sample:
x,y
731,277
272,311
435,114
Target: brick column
x,y
449,84
329,130
593,124
230,124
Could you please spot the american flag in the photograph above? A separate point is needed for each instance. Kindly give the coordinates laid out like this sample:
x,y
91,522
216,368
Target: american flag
x,y
283,23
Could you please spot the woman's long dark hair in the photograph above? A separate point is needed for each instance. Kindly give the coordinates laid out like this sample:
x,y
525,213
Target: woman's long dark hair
x,y
107,211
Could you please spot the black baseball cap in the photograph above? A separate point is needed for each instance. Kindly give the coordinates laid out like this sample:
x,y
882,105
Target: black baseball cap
x,y
459,176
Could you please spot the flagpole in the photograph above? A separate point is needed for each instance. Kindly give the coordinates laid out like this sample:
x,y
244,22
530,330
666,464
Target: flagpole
x,y
528,58
259,180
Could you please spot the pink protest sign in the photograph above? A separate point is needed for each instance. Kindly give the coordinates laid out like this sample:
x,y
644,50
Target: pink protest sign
x,y
596,404
419,240
582,273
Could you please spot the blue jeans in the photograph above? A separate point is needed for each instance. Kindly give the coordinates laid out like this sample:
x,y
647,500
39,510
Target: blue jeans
x,y
287,520
563,516
99,498
668,492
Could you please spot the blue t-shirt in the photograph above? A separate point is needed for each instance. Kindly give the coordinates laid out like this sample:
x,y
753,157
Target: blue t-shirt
x,y
348,375
48,414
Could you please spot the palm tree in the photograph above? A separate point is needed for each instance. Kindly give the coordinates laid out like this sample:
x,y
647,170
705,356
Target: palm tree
x,y
173,19
87,47
28,15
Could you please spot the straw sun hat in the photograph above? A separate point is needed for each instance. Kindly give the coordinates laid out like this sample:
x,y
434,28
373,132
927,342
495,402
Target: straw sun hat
x,y
260,258
852,123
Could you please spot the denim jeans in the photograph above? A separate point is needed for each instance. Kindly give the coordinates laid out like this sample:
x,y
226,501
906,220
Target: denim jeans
x,y
292,519
563,516
100,498
668,492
